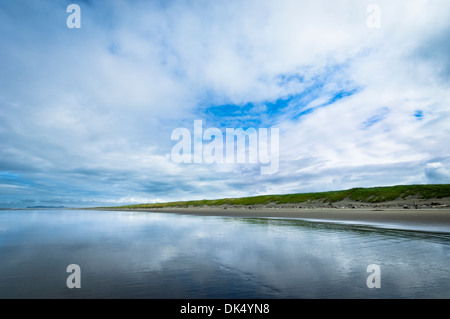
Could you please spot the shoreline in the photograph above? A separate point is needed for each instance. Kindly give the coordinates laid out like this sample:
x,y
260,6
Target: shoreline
x,y
437,219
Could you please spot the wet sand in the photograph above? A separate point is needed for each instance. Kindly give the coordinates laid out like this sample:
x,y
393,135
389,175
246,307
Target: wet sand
x,y
437,219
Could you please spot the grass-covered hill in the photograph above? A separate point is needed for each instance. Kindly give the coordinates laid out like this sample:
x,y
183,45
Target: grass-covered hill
x,y
369,195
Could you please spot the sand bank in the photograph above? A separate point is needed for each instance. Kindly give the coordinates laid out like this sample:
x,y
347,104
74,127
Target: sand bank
x,y
420,219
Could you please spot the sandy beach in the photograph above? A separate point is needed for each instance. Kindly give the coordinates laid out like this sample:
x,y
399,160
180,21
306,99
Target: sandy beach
x,y
433,219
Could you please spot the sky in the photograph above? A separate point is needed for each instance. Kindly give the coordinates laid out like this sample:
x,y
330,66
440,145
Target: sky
x,y
86,114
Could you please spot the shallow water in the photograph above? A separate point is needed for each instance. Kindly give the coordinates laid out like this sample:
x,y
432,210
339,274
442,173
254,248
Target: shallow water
x,y
156,255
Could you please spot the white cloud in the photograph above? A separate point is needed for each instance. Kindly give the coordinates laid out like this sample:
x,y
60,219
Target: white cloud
x,y
97,107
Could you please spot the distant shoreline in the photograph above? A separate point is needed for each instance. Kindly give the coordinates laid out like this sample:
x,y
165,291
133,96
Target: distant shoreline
x,y
411,206
424,219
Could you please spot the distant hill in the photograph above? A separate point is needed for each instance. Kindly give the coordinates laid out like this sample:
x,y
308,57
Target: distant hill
x,y
366,195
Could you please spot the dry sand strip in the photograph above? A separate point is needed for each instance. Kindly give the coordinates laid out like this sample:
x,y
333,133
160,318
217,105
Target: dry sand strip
x,y
421,219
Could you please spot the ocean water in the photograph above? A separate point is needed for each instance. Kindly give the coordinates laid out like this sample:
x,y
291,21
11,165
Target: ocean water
x,y
156,255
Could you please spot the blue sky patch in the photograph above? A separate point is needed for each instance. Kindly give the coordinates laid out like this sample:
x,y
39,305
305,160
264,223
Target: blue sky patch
x,y
418,114
256,114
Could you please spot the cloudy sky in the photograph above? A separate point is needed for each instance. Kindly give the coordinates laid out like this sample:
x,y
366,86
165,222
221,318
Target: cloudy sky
x,y
86,114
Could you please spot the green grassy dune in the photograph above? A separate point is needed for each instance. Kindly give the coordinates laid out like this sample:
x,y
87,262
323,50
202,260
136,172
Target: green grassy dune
x,y
370,195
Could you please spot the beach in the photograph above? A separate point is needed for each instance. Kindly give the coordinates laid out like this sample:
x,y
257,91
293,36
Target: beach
x,y
190,254
433,219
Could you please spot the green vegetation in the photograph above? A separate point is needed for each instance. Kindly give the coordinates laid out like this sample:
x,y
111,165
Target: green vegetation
x,y
371,195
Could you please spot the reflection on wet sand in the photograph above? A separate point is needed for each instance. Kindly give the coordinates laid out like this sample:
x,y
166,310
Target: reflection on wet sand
x,y
158,255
